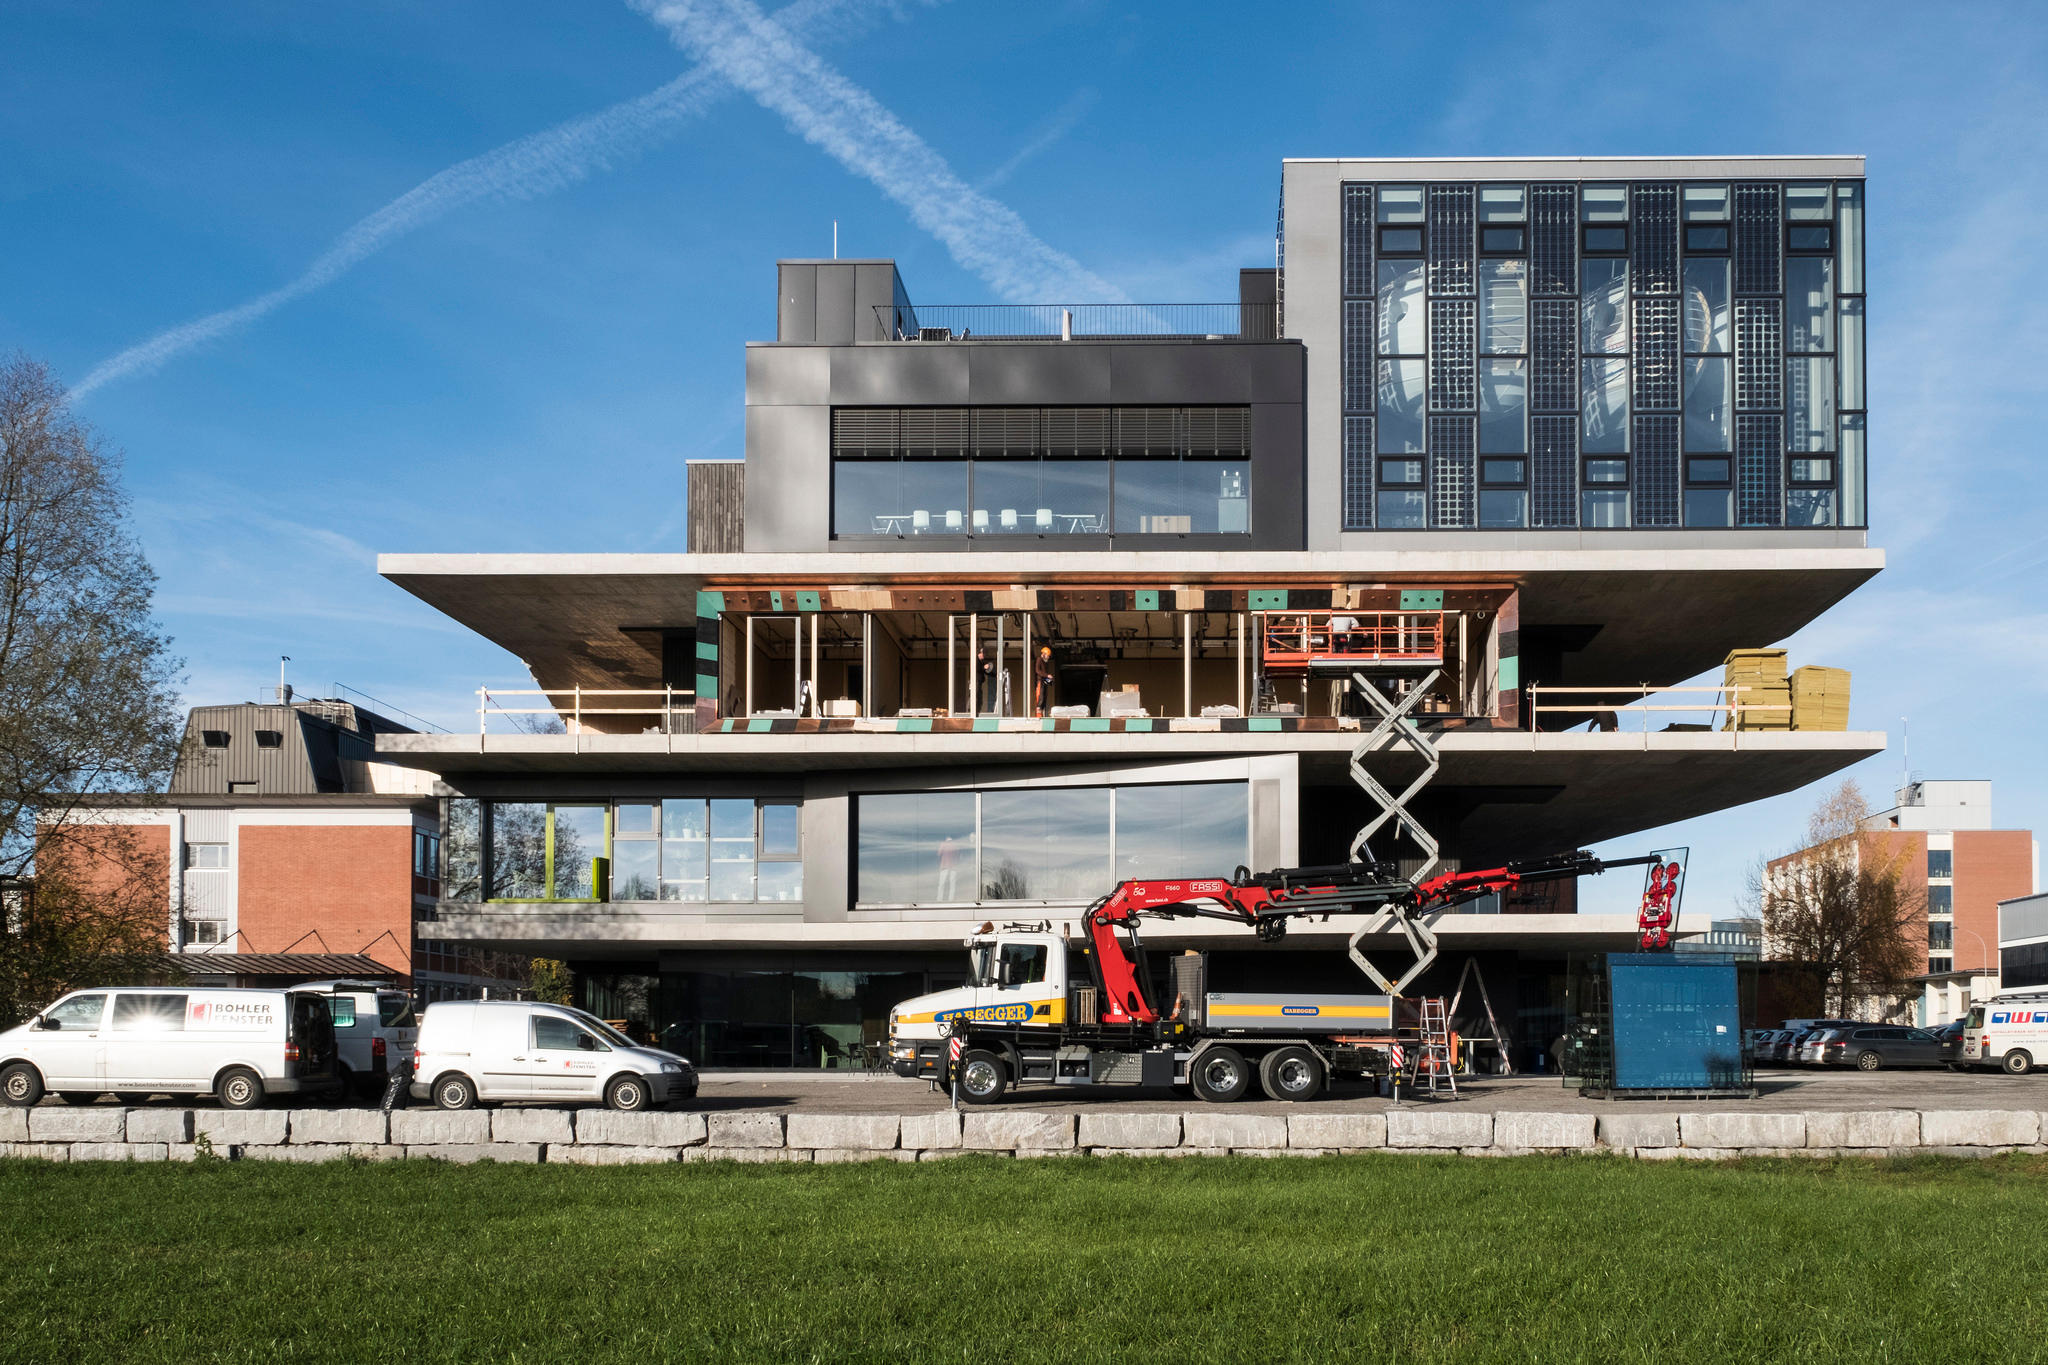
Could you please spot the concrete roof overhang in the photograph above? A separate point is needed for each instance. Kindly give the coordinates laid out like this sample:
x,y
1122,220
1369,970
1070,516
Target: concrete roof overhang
x,y
1503,794
1661,608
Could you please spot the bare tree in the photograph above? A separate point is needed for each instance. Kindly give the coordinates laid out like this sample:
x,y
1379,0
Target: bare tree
x,y
1842,906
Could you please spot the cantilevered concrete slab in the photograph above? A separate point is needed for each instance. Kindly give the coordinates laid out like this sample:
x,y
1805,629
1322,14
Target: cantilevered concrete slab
x,y
1598,608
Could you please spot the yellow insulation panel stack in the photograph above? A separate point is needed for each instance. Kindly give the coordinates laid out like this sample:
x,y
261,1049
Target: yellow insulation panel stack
x,y
1760,673
1820,698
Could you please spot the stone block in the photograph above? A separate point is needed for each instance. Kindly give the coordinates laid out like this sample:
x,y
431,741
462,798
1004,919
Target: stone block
x,y
1439,1128
119,1151
748,1154
834,1155
1137,1151
367,1126
1979,1127
37,1151
1676,1154
936,1130
574,1154
938,1153
1512,1129
867,1132
1742,1130
1233,1130
298,1151
463,1153
13,1124
548,1126
440,1127
1629,1132
1973,1152
376,1151
159,1125
650,1128
1337,1130
1130,1130
241,1127
1279,1151
1016,1129
97,1124
1863,1128
744,1130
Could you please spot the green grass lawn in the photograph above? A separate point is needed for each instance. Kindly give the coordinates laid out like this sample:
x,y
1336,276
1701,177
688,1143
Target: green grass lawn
x,y
1336,1258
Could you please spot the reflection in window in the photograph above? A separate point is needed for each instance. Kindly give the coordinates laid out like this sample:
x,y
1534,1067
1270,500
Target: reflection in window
x,y
1604,203
1709,404
1809,402
519,850
1706,203
636,851
1849,350
1809,507
462,849
1849,205
1808,203
1603,307
1604,508
1604,422
1401,510
1187,830
732,850
1706,307
1046,844
1503,204
1503,307
1503,508
1181,497
899,497
1503,405
916,849
1402,392
1400,204
578,845
1853,510
1809,303
685,851
1402,321
1709,507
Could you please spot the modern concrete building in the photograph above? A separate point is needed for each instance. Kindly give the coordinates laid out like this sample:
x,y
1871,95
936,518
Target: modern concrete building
x,y
1009,602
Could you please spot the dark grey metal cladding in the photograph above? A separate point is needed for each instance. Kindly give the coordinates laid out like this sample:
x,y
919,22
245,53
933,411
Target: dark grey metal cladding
x,y
835,303
320,747
792,389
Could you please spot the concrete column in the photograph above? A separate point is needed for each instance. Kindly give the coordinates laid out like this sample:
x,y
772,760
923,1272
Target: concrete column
x,y
750,665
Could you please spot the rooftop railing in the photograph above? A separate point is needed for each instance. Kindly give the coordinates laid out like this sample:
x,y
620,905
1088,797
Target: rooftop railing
x,y
1078,321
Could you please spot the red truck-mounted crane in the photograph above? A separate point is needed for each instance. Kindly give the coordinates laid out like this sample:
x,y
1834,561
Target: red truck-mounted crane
x,y
1032,1012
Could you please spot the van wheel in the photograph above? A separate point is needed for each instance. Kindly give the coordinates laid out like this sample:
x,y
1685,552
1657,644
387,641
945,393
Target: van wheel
x,y
982,1079
21,1085
1291,1073
1220,1075
2017,1062
1868,1061
627,1092
454,1092
241,1088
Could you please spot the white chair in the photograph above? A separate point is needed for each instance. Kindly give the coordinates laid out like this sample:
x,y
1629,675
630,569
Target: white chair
x,y
1009,519
981,521
1044,519
953,521
920,522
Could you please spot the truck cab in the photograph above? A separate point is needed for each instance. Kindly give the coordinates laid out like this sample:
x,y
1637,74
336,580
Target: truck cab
x,y
1015,976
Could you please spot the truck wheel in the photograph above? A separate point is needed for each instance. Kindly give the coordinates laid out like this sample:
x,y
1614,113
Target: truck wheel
x,y
1291,1073
2017,1062
21,1085
982,1079
1220,1075
240,1088
454,1092
626,1093
1868,1061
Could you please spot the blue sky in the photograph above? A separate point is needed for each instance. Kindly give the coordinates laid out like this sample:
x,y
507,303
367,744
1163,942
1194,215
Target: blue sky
x,y
536,243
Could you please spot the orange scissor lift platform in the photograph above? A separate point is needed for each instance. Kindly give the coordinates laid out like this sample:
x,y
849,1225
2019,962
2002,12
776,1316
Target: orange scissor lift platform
x,y
1338,643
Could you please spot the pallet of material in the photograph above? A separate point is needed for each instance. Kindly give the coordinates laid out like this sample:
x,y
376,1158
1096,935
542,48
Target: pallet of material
x,y
1820,698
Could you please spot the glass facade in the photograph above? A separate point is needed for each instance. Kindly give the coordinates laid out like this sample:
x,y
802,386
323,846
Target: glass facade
x,y
1663,353
781,1014
1043,843
721,850
908,472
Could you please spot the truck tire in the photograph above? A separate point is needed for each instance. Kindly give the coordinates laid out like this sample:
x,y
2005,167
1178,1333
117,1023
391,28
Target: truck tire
x,y
982,1077
627,1093
1220,1075
455,1091
240,1088
1291,1073
2016,1062
21,1085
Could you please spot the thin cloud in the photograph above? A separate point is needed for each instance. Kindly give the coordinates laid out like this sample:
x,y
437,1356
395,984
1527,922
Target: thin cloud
x,y
538,164
761,57
1063,121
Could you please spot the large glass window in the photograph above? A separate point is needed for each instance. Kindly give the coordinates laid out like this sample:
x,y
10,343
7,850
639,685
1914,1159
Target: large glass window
x,y
1603,307
916,848
1604,423
1706,306
1849,351
1402,509
1941,862
1709,404
1809,304
1179,497
1503,407
687,849
462,849
1503,307
1045,844
1810,402
519,850
636,851
1403,395
1849,208
1402,318
1195,829
899,497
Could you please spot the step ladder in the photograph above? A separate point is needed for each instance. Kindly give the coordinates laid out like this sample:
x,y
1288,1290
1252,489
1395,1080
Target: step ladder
x,y
1432,1065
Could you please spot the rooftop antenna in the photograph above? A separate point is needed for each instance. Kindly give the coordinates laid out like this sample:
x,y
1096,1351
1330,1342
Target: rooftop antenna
x,y
1905,754
284,695
835,239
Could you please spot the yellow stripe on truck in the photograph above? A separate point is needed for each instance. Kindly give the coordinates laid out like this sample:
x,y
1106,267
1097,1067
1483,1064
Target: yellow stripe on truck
x,y
1009,1012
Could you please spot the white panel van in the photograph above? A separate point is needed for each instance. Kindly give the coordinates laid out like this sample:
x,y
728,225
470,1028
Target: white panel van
x,y
2008,1031
494,1050
133,1042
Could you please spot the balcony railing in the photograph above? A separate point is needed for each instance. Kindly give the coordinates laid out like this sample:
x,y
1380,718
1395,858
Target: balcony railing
x,y
1077,321
1632,710
666,710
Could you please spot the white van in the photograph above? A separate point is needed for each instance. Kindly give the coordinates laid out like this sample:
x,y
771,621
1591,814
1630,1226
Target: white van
x,y
133,1042
471,1050
2007,1031
374,1031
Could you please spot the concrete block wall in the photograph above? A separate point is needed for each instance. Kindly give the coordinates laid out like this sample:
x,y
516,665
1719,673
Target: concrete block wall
x,y
598,1137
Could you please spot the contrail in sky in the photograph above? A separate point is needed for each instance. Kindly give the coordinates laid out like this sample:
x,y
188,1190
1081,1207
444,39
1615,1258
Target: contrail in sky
x,y
1063,121
760,55
537,164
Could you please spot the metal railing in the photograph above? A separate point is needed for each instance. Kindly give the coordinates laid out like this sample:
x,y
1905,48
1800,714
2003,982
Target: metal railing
x,y
1293,640
1069,321
675,712
1721,709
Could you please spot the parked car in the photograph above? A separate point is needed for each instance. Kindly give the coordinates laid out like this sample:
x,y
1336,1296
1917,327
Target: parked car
x,y
240,1045
374,1031
1870,1047
1950,1036
1804,1049
2008,1031
494,1050
1777,1047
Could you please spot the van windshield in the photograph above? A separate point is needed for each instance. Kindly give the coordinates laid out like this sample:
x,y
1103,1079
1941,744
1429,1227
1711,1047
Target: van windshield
x,y
395,1011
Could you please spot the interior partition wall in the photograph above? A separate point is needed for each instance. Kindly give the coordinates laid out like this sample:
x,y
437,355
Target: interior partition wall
x,y
1602,355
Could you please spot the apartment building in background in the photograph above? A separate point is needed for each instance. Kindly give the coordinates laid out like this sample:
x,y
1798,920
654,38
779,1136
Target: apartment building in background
x,y
1009,602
